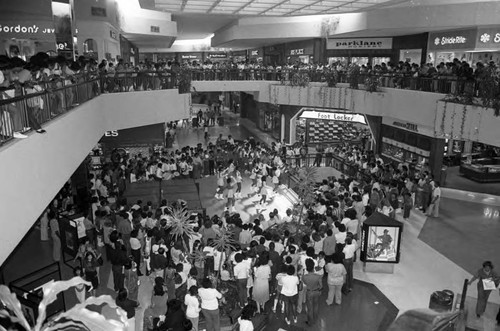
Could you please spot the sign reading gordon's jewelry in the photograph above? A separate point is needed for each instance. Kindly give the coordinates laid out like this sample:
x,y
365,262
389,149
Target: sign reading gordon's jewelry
x,y
38,30
334,116
360,43
451,40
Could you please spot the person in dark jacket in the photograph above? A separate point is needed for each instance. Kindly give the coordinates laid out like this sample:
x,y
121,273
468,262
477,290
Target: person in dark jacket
x,y
175,317
118,258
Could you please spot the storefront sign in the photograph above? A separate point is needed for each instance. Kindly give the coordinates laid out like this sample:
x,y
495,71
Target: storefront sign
x,y
254,53
333,116
360,43
299,51
408,126
27,30
217,55
451,40
189,57
488,38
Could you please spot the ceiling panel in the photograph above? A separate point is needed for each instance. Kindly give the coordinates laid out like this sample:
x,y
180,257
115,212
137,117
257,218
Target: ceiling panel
x,y
269,7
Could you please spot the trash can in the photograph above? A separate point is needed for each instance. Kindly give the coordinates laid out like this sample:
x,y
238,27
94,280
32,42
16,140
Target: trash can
x,y
195,122
442,301
220,120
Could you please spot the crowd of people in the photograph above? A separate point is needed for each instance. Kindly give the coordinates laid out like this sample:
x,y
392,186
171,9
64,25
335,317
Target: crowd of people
x,y
270,266
60,77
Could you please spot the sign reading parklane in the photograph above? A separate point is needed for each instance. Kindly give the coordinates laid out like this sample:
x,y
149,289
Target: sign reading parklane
x,y
331,116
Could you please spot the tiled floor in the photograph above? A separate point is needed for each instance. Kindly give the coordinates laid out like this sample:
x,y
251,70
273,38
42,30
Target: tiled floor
x,y
436,254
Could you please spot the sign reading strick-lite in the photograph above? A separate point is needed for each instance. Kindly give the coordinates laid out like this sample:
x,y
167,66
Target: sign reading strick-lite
x,y
334,116
360,43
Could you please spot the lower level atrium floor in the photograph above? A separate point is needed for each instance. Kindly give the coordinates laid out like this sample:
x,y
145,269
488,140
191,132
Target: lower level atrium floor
x,y
436,254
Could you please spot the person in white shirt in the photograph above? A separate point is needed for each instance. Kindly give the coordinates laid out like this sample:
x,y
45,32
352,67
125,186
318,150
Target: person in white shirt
x,y
241,273
245,320
349,251
340,237
289,293
210,305
193,306
433,209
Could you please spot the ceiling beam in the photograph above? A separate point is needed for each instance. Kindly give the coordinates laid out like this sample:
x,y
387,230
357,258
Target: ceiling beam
x,y
243,7
272,7
183,5
216,3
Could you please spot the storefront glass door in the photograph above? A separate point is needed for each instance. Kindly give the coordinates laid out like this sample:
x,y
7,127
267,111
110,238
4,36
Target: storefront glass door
x,y
380,60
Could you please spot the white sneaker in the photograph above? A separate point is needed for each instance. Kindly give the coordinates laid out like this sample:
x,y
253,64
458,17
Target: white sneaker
x,y
19,135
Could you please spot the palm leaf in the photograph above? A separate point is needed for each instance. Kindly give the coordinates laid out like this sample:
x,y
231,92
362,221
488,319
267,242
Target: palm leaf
x,y
224,240
181,226
198,256
50,292
10,300
80,316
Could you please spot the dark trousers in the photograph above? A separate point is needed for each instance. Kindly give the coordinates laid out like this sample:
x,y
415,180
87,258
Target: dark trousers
x,y
136,254
348,263
212,319
312,302
290,306
118,277
242,290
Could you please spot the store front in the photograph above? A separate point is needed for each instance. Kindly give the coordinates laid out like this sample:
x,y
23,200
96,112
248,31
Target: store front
x,y
269,119
362,51
20,38
449,45
239,56
144,139
302,52
316,126
190,57
256,55
411,143
274,55
129,52
216,57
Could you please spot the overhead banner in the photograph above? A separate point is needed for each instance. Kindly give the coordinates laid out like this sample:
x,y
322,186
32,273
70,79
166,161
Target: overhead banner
x,y
334,116
360,43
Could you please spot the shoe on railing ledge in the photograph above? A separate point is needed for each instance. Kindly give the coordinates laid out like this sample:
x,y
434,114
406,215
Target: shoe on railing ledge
x,y
19,135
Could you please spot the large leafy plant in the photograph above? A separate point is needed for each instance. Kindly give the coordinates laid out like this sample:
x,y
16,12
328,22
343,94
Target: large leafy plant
x,y
224,242
181,225
305,187
77,318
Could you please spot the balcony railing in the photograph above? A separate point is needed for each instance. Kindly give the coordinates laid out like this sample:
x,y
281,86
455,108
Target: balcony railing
x,y
25,108
29,107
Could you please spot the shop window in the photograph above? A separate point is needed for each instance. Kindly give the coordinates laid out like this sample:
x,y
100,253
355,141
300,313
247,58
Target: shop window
x,y
411,139
424,143
90,46
98,11
399,135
